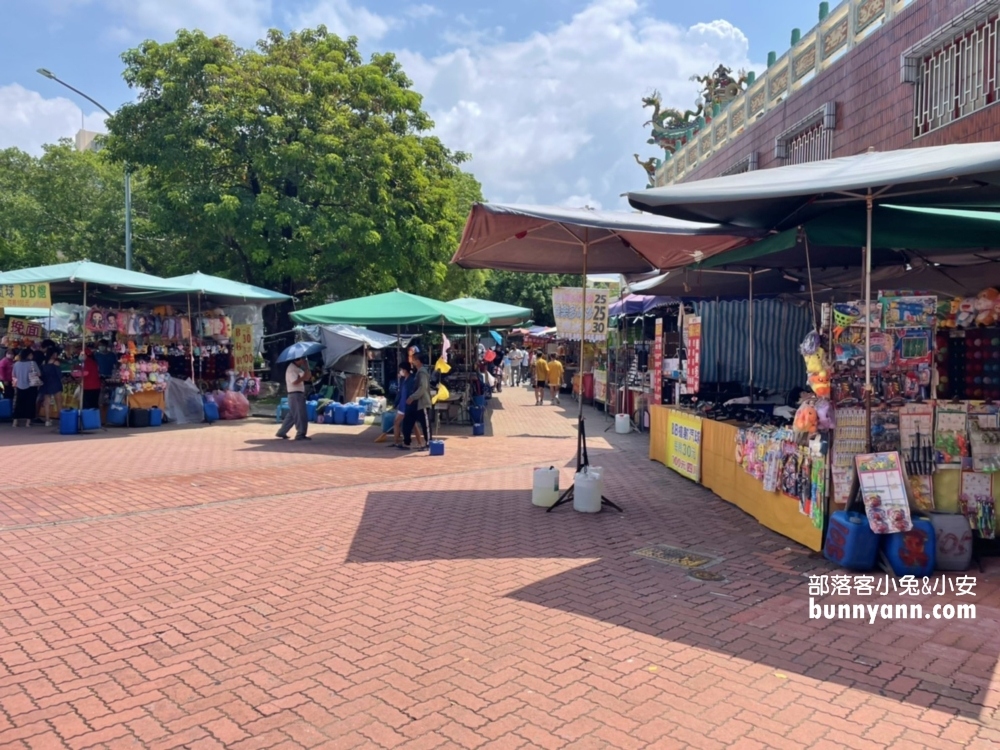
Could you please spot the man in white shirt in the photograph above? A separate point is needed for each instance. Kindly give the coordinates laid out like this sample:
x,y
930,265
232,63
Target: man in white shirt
x,y
296,376
516,357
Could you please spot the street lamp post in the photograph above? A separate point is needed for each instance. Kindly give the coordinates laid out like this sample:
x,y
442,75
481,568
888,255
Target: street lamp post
x,y
128,179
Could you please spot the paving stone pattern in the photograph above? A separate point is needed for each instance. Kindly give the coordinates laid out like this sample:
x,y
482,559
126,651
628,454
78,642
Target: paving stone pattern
x,y
211,587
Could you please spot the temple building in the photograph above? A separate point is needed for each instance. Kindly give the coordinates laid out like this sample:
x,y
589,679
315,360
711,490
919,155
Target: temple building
x,y
872,74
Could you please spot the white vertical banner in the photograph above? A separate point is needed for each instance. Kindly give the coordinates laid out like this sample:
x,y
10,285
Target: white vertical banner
x,y
566,310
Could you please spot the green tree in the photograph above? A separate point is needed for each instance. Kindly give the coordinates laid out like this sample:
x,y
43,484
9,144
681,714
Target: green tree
x,y
70,205
296,165
532,290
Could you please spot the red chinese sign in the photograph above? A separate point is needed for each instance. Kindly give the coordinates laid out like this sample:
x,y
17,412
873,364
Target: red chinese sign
x,y
693,354
24,328
658,363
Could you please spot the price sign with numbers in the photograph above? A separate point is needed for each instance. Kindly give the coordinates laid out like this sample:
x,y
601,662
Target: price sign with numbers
x,y
243,348
566,302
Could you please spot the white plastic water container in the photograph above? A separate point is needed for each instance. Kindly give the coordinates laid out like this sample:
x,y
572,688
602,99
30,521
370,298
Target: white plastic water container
x,y
545,487
623,424
588,486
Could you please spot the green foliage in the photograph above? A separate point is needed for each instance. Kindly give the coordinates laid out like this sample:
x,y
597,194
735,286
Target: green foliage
x,y
297,165
532,290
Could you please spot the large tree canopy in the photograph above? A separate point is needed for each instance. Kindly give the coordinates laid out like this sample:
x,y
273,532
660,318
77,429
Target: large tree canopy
x,y
297,165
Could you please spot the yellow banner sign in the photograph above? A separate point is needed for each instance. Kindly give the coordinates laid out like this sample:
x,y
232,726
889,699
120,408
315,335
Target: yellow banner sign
x,y
684,444
24,329
25,295
243,348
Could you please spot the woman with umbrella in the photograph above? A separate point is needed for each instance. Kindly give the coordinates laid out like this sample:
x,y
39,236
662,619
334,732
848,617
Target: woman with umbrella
x,y
297,374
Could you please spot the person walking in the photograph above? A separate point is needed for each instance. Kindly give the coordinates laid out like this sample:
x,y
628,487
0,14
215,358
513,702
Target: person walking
x,y
516,355
7,372
420,400
27,378
51,392
555,377
297,374
541,376
407,382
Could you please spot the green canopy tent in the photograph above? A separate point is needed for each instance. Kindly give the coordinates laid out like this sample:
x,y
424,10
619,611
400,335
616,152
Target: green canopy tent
x,y
501,315
226,291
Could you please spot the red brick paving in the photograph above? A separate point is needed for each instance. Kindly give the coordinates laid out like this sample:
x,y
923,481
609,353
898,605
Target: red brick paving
x,y
212,587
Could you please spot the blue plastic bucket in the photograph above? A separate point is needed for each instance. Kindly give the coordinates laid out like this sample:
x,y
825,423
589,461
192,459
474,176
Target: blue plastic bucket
x,y
211,411
437,447
91,419
118,415
479,429
388,420
479,401
6,409
156,417
339,414
476,414
311,408
353,415
69,422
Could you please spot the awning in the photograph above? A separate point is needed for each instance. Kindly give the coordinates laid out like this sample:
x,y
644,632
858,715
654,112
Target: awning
x,y
390,309
784,197
67,277
548,239
342,340
639,304
500,314
227,291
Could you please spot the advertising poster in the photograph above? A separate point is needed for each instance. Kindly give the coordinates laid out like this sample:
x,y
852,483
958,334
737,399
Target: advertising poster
x,y
658,363
243,348
684,444
24,328
566,303
693,363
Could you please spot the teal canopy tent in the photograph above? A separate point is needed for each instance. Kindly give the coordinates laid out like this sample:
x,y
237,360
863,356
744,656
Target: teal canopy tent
x,y
391,309
66,279
500,314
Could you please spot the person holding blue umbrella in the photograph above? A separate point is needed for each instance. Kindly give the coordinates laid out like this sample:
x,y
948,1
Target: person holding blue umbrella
x,y
297,374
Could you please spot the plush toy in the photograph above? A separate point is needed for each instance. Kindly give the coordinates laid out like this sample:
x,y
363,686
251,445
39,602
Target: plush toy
x,y
806,419
984,306
810,345
947,312
825,414
966,313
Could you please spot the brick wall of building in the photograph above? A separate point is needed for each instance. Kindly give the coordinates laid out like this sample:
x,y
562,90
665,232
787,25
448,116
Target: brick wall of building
x,y
874,109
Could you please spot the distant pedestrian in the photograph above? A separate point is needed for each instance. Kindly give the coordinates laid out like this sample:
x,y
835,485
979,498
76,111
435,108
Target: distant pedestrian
x,y
541,377
418,403
27,378
297,374
555,377
50,394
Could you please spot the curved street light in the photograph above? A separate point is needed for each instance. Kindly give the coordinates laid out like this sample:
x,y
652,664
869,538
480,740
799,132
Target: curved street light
x,y
128,181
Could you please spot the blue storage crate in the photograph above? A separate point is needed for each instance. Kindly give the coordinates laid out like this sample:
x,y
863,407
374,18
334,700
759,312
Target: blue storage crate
x,y
850,541
117,415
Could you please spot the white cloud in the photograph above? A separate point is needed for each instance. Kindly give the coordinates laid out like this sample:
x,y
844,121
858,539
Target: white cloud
x,y
556,117
245,21
423,11
27,119
345,19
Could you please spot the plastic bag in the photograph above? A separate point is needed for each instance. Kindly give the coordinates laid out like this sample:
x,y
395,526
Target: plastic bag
x,y
232,405
183,401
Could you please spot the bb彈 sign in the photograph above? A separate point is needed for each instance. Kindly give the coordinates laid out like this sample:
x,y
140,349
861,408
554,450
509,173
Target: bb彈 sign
x,y
25,295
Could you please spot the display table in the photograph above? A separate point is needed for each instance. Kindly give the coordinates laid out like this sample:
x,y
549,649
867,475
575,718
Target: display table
x,y
720,473
147,400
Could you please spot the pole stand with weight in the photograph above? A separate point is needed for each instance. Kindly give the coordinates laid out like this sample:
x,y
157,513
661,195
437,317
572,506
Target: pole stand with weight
x,y
582,459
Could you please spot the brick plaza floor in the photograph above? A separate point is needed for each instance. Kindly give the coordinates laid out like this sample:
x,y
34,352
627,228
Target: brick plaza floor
x,y
210,587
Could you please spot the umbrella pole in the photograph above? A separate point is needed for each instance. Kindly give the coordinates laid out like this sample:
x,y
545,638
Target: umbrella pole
x,y
868,322
582,459
190,338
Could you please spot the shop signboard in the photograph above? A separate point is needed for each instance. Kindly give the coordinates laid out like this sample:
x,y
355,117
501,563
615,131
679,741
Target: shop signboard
x,y
566,310
684,444
25,295
24,329
243,348
658,363
693,353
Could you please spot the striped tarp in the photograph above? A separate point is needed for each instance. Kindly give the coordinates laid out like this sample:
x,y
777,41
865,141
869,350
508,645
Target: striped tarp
x,y
779,328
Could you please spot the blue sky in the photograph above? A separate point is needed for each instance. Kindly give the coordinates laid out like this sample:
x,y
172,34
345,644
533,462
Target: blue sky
x,y
543,93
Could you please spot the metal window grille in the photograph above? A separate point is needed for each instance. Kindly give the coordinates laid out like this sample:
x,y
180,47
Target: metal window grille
x,y
746,164
808,140
955,70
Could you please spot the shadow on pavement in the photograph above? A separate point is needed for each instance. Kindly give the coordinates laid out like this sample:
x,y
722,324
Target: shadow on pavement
x,y
758,612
